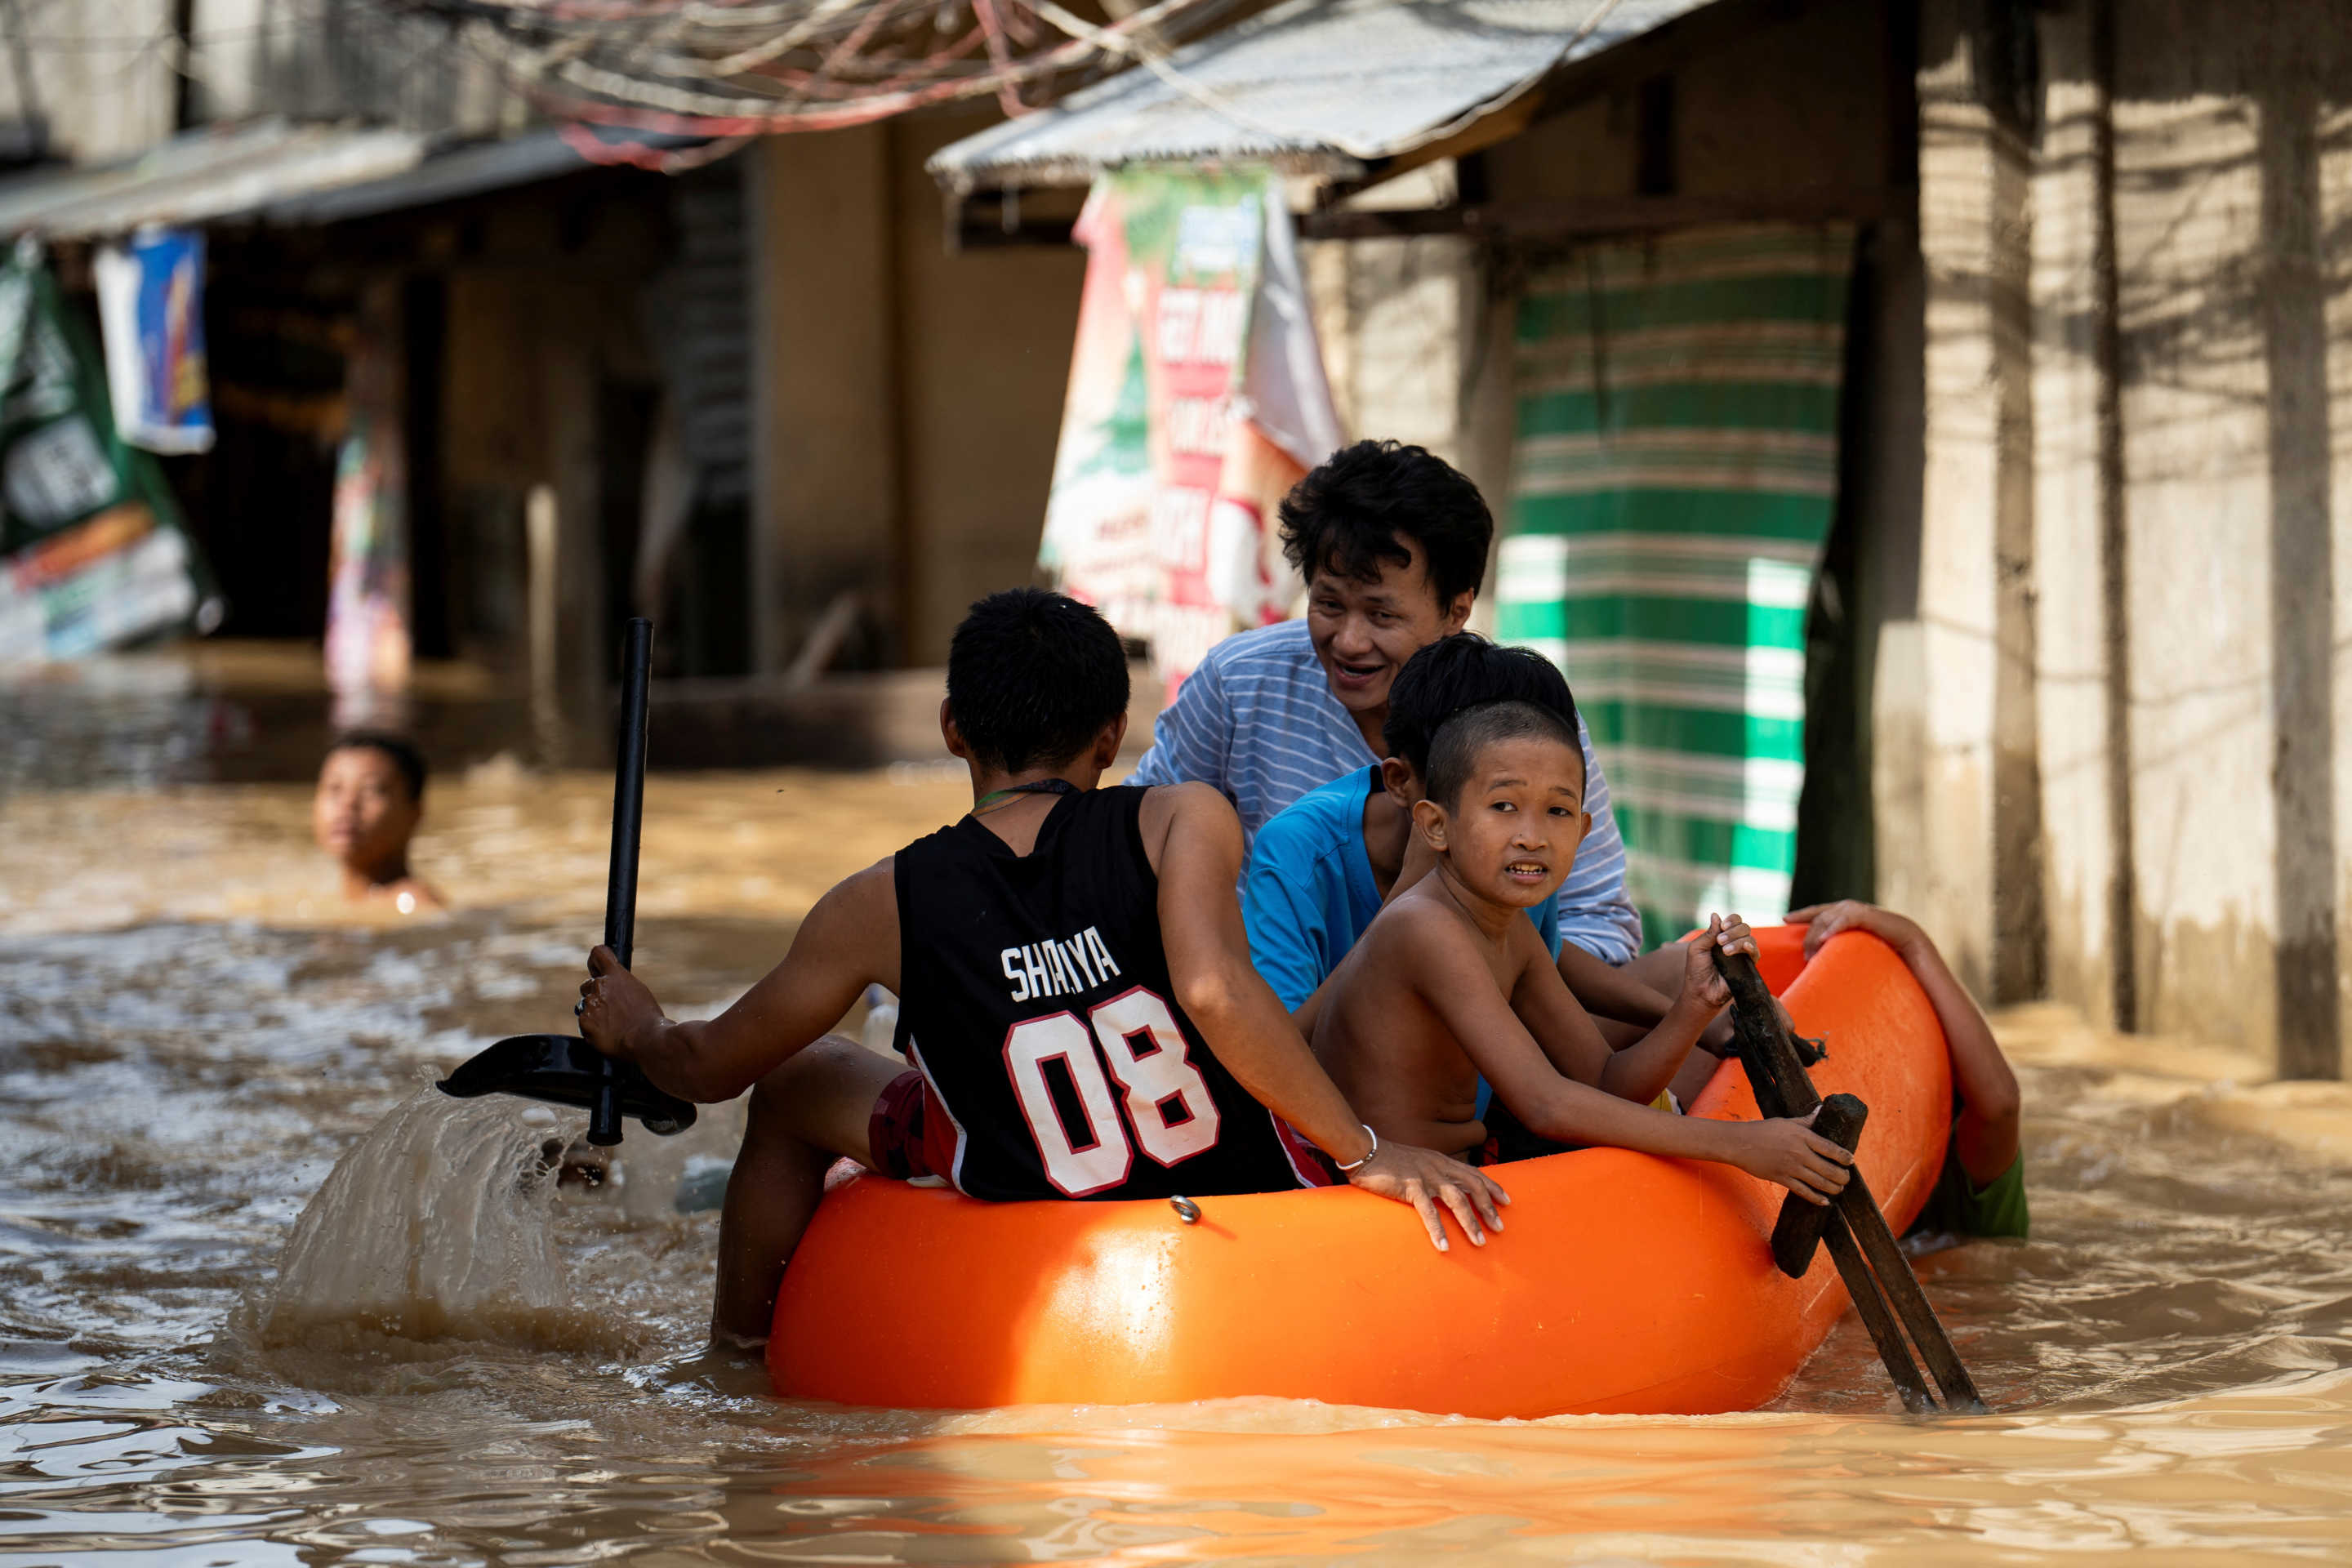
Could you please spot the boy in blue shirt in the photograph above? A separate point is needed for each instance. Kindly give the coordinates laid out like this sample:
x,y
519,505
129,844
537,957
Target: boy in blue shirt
x,y
1320,869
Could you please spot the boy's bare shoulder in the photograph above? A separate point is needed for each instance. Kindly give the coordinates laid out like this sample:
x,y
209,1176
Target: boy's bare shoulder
x,y
1415,924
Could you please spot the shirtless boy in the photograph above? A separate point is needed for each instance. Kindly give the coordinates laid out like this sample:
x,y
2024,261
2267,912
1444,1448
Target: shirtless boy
x,y
1321,867
1078,1014
1452,982
369,799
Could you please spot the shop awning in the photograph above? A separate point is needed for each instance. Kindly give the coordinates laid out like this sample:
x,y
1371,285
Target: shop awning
x,y
468,171
1318,87
278,172
203,176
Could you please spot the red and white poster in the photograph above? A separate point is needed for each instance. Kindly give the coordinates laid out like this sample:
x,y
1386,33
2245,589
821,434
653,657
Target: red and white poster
x,y
1196,400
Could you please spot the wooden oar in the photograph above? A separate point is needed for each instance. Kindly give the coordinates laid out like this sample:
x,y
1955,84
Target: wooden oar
x,y
1867,1256
1799,1230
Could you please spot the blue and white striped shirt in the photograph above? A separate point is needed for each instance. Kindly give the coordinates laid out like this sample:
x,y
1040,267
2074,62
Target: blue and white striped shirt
x,y
1258,720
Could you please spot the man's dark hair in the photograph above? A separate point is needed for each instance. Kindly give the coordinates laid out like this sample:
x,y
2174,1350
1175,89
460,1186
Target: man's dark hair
x,y
407,759
1465,738
1461,671
1032,677
1352,515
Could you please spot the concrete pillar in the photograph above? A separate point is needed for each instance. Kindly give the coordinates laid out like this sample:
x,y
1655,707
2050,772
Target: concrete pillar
x,y
2074,486
826,479
585,662
2294,291
1977,870
2335,141
2188,226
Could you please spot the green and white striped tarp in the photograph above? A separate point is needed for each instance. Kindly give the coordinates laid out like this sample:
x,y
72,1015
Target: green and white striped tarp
x,y
1674,474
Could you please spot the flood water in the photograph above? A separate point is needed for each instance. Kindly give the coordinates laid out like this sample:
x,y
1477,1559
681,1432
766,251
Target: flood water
x,y
192,1032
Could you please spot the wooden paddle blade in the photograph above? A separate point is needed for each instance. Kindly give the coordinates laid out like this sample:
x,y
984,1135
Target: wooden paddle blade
x,y
1863,1288
1860,1211
1799,1229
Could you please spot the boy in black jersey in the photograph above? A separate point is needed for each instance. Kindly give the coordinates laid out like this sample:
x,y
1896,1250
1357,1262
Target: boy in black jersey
x,y
1078,1003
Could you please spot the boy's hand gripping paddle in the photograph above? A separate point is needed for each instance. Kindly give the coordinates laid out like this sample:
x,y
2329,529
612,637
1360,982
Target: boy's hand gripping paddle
x,y
564,1070
1867,1256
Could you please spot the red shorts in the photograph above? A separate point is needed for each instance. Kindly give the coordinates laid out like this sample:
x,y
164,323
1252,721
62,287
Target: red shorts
x,y
1315,1167
910,1134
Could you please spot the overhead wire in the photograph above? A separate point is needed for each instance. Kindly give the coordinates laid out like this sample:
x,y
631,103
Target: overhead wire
x,y
688,66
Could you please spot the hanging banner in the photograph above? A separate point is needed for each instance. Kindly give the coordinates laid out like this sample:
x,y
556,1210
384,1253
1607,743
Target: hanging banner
x,y
1196,399
91,552
368,642
151,312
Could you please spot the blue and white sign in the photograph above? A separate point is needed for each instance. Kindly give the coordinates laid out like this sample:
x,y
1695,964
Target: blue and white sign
x,y
151,303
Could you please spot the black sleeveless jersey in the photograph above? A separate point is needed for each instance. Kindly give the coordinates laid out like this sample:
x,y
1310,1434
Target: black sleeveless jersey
x,y
1035,997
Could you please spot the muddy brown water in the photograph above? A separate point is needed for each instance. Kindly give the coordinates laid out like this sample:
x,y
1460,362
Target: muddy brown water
x,y
192,1032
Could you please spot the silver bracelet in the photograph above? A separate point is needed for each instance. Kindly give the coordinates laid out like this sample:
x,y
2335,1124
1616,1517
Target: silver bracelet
x,y
1368,1153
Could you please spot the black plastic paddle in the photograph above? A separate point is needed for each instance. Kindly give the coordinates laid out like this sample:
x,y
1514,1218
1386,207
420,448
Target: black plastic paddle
x,y
1867,1256
564,1070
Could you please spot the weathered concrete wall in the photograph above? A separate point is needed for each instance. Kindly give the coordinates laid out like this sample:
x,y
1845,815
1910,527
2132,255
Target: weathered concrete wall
x,y
2187,212
104,90
2184,349
1408,333
826,475
536,333
108,78
986,341
906,399
337,59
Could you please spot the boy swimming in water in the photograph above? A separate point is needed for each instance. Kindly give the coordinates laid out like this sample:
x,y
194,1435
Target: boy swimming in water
x,y
1079,1016
370,797
1451,982
1982,1189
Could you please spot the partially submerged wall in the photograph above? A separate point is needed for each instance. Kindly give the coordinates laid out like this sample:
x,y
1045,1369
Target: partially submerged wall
x,y
2169,604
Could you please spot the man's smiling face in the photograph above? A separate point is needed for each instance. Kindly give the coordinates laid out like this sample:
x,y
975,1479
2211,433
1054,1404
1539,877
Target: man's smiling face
x,y
1363,631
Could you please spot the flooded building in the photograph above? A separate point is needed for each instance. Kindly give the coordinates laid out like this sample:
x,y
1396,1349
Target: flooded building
x,y
2065,680
748,392
2072,660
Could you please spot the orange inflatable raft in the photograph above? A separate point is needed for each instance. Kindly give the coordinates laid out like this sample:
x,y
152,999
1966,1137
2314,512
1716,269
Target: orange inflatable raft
x,y
1625,1283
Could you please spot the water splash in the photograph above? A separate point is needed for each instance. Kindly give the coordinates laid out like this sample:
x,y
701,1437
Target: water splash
x,y
437,1225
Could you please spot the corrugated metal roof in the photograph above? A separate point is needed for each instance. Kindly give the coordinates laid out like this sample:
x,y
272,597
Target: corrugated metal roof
x,y
458,172
1313,86
204,176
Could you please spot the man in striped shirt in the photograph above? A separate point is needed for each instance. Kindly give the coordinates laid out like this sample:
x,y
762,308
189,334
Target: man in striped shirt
x,y
1392,541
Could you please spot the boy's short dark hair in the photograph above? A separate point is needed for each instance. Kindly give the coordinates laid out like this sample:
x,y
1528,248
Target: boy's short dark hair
x,y
1346,517
1032,677
1463,739
1461,671
407,759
